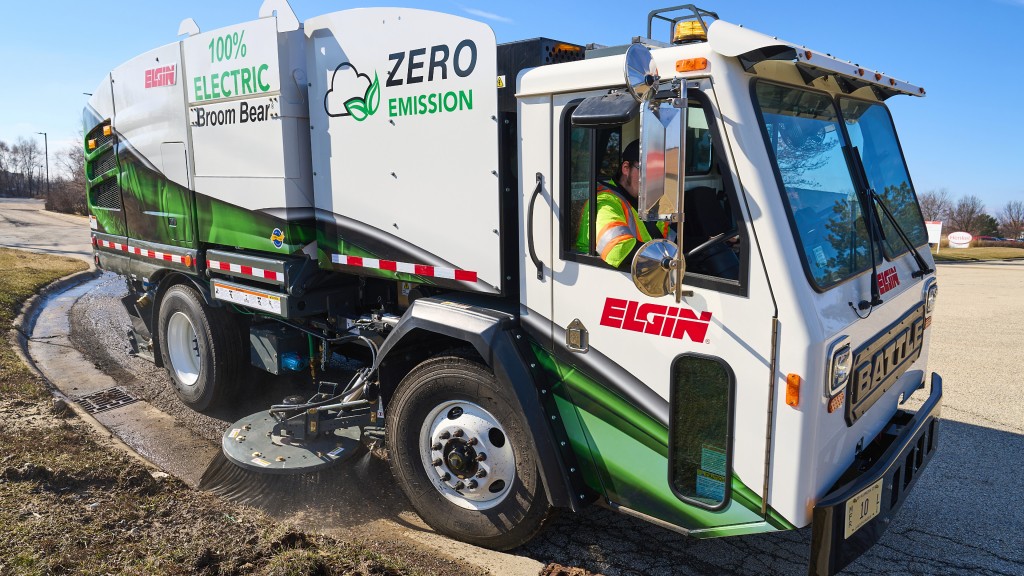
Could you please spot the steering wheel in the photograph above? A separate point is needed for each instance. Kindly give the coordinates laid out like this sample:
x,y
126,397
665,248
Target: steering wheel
x,y
713,241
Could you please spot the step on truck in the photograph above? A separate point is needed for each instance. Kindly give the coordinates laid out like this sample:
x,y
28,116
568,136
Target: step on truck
x,y
718,331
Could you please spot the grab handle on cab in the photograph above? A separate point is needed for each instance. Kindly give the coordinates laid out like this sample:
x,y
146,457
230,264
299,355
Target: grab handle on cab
x,y
529,227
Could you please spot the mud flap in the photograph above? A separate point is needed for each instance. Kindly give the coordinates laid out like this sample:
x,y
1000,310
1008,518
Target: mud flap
x,y
140,336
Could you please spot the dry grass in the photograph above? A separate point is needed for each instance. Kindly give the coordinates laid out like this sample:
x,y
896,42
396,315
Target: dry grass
x,y
977,254
23,275
70,504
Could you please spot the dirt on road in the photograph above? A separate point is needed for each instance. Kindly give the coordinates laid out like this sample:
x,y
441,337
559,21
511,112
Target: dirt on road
x,y
71,503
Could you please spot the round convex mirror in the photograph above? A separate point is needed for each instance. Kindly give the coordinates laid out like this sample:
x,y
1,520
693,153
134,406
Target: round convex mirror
x,y
641,72
654,268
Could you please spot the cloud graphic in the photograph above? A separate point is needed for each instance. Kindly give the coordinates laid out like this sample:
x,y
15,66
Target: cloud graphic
x,y
352,94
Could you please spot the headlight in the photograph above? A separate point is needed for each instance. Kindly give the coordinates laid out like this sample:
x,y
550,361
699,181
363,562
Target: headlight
x,y
839,367
929,299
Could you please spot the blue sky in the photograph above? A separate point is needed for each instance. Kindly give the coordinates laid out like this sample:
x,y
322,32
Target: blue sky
x,y
965,136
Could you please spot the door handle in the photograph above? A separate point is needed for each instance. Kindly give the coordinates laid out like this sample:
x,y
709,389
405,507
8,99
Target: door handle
x,y
529,227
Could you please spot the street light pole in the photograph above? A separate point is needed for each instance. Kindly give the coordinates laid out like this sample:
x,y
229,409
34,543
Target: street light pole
x,y
46,151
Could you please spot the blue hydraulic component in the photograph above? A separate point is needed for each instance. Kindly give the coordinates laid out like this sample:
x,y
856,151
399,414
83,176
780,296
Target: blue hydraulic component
x,y
293,362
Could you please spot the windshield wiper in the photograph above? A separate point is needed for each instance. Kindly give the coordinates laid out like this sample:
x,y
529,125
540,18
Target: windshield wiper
x,y
874,234
922,266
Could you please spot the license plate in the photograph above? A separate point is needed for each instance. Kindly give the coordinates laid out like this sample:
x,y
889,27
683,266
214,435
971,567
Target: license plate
x,y
863,507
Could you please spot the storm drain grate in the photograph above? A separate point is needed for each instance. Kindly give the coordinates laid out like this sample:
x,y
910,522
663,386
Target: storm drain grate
x,y
105,400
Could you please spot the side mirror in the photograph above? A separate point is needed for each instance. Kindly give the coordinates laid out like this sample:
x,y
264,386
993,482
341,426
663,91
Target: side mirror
x,y
658,268
641,72
660,135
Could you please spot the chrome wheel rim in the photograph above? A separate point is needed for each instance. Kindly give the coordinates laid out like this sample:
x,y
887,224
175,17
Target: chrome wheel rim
x,y
467,455
183,348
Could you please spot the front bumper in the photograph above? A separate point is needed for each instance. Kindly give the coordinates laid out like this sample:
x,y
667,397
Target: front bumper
x,y
895,458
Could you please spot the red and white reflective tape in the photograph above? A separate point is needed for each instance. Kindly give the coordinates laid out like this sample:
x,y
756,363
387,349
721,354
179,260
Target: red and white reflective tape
x,y
112,245
184,260
417,269
245,270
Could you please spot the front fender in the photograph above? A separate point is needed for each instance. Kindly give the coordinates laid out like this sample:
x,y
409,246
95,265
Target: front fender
x,y
498,339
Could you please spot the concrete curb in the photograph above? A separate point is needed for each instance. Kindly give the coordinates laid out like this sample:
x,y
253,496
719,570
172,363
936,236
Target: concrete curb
x,y
25,323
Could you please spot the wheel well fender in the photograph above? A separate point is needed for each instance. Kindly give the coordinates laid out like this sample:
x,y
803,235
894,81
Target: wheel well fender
x,y
431,326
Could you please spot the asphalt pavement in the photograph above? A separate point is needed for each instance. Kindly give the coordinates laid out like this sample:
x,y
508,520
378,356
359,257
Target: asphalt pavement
x,y
965,515
25,225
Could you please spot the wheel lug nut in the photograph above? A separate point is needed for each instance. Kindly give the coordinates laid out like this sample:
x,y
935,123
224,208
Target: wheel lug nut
x,y
446,435
473,441
460,485
481,457
471,484
481,473
446,476
458,433
436,446
436,462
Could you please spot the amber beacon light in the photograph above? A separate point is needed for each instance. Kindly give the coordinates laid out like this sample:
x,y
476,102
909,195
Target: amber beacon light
x,y
689,31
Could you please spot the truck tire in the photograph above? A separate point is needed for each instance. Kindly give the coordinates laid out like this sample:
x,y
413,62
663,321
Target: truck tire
x,y
461,453
200,349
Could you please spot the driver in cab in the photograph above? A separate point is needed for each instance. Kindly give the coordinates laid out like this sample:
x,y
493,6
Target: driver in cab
x,y
620,231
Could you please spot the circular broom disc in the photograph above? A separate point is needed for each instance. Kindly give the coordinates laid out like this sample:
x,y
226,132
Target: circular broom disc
x,y
252,443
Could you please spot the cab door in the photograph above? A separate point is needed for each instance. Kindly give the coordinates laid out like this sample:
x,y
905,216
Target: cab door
x,y
671,400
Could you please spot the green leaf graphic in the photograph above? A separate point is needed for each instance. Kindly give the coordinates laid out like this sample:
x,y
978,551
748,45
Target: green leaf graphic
x,y
372,96
357,108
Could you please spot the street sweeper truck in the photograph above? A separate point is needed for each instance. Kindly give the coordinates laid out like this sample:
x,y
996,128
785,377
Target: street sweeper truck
x,y
685,277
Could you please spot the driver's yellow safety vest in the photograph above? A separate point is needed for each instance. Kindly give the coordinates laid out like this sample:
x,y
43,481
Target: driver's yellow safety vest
x,y
618,226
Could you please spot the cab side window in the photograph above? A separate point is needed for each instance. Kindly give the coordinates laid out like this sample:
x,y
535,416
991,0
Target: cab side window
x,y
593,156
711,231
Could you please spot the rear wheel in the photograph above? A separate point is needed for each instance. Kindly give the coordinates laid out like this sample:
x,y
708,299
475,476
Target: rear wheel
x,y
461,453
200,347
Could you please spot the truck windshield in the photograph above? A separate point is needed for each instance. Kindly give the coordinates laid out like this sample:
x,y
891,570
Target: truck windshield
x,y
806,140
871,131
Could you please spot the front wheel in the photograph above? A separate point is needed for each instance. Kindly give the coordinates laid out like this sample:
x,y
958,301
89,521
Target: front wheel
x,y
200,347
461,453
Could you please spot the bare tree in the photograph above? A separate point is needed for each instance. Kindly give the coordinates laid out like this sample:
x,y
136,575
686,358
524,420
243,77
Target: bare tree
x,y
71,163
966,215
26,156
5,163
68,193
1011,219
935,204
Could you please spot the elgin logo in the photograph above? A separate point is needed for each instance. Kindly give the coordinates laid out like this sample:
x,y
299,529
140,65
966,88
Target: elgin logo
x,y
667,321
162,76
888,280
